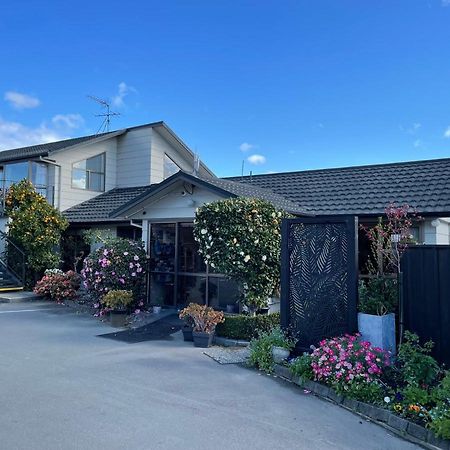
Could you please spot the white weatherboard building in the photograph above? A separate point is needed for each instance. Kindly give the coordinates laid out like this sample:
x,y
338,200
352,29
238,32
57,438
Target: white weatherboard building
x,y
144,183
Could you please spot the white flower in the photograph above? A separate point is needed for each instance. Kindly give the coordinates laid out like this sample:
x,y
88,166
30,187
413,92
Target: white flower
x,y
251,230
234,240
208,256
241,253
273,215
256,241
387,399
264,257
212,265
247,258
203,231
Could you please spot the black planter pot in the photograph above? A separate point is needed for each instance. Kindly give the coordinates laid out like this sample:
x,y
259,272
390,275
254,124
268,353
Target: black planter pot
x,y
118,318
202,340
187,333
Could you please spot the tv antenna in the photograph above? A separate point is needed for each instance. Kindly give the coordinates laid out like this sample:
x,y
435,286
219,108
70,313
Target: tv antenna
x,y
104,127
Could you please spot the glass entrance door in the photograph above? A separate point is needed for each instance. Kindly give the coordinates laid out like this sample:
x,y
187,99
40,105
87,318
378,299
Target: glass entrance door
x,y
178,274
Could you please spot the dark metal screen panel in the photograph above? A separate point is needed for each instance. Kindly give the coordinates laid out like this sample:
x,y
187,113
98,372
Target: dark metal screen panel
x,y
319,277
426,296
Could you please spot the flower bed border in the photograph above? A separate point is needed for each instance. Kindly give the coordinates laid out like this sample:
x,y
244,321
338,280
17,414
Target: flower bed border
x,y
227,342
403,427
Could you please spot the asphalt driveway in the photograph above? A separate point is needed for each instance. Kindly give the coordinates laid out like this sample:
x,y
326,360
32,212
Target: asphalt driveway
x,y
62,387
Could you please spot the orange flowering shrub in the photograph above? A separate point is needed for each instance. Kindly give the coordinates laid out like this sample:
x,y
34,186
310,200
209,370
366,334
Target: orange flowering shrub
x,y
35,225
204,317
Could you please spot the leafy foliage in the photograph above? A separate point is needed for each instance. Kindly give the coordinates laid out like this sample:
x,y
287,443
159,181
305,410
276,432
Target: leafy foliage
x,y
118,265
417,365
117,300
241,238
35,225
301,367
204,317
58,285
246,327
261,348
378,296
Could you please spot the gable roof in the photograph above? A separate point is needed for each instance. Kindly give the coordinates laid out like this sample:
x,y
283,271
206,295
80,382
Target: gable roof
x,y
114,204
364,190
35,151
46,149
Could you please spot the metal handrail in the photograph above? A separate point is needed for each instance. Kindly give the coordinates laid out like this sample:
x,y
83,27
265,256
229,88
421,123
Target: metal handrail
x,y
5,260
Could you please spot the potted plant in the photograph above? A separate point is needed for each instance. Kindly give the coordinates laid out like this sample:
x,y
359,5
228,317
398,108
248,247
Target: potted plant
x,y
187,328
205,320
117,301
376,316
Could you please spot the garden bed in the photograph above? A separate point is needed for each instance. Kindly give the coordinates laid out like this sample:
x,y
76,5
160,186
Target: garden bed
x,y
383,417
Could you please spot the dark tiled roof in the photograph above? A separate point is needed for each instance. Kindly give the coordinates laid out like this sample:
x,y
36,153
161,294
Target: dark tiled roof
x,y
98,209
364,190
254,191
112,205
34,151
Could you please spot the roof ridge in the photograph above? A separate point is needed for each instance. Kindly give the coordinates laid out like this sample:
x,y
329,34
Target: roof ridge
x,y
330,169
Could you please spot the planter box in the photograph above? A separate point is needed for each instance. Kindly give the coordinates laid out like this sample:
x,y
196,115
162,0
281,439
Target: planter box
x,y
202,340
187,333
118,318
378,330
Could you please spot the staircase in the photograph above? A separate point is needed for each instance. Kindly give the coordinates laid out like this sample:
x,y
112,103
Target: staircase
x,y
8,281
12,265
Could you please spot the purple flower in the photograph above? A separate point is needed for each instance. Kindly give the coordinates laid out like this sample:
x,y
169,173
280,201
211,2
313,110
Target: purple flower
x,y
136,258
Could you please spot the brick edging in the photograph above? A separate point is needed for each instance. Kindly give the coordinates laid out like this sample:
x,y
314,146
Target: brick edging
x,y
403,427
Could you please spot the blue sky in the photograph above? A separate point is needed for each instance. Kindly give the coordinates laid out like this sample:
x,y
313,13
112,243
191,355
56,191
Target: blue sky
x,y
300,84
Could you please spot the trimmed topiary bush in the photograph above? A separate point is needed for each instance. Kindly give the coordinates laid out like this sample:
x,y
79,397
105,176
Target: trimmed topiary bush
x,y
241,238
244,327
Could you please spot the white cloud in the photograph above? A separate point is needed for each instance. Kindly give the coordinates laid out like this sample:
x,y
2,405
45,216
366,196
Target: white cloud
x,y
123,90
445,2
245,147
68,120
15,134
256,159
447,132
418,143
21,101
413,129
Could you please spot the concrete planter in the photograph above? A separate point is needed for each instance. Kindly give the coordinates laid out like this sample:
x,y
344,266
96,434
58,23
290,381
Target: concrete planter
x,y
280,354
378,330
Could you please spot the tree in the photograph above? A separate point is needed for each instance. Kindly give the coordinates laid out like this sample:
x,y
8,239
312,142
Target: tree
x,y
34,225
241,238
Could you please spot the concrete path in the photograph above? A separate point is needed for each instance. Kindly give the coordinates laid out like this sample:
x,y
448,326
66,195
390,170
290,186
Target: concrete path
x,y
61,387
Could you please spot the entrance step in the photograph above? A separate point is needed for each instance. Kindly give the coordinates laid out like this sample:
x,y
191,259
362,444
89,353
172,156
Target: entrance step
x,y
18,297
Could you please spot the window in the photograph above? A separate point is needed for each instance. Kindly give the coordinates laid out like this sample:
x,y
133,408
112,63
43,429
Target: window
x,y
170,167
89,174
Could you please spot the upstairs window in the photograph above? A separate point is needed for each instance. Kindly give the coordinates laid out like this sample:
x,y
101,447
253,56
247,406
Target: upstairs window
x,y
89,174
170,167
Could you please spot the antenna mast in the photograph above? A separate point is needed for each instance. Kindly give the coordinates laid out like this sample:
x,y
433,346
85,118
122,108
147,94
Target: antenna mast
x,y
104,127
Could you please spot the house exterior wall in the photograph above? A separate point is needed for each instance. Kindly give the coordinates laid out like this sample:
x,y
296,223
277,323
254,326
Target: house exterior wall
x,y
160,146
70,196
437,231
133,158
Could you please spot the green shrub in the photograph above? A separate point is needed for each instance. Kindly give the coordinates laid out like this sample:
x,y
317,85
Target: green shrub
x,y
378,296
440,421
415,395
245,327
416,364
261,348
301,367
117,299
363,391
241,237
